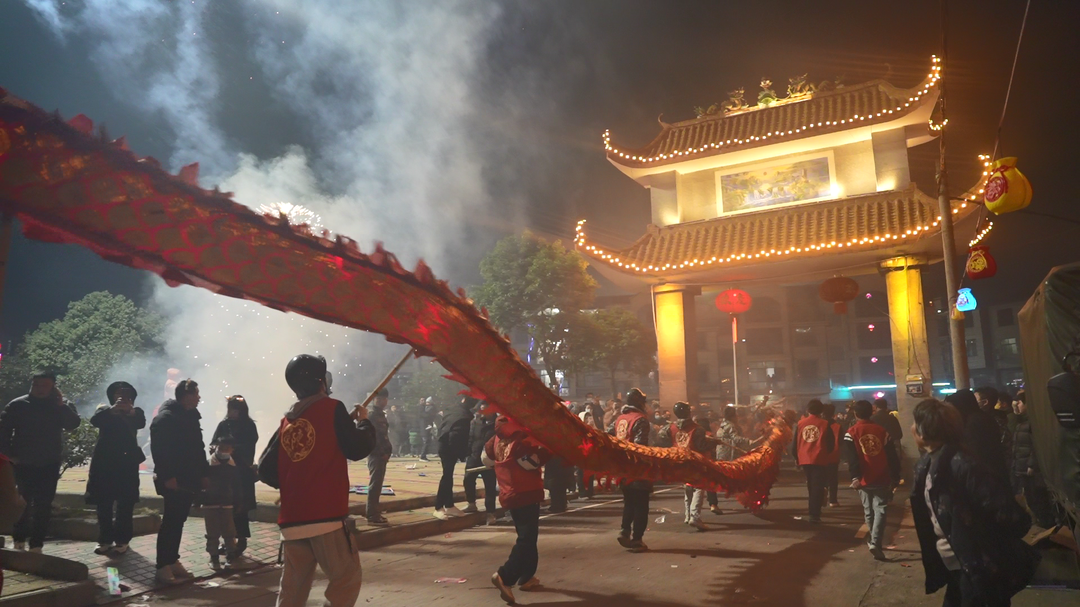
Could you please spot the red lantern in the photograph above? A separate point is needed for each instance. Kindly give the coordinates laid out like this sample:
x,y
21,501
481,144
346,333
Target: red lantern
x,y
980,263
838,290
733,301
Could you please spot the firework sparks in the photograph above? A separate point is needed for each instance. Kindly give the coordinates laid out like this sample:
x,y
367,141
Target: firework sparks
x,y
296,214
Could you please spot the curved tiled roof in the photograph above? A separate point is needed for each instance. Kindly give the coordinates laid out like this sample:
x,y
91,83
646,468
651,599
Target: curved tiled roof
x,y
869,103
878,220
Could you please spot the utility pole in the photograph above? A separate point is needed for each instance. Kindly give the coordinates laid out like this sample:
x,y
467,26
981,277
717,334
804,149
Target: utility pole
x,y
948,239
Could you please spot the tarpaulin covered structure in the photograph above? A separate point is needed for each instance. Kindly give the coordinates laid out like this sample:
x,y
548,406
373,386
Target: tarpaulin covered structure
x,y
1049,329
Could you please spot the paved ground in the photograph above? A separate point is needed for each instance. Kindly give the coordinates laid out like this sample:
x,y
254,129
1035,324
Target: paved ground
x,y
420,481
767,559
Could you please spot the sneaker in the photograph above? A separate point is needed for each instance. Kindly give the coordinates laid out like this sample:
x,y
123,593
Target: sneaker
x,y
180,571
378,520
454,511
638,546
441,515
120,549
814,521
103,549
18,546
879,554
165,576
424,459
533,583
36,550
491,519
700,526
624,539
504,590
469,509
715,510
834,504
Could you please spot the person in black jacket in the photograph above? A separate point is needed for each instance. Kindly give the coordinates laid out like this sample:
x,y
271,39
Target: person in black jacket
x,y
239,425
481,430
981,433
114,467
969,526
1026,477
31,436
453,447
219,501
180,472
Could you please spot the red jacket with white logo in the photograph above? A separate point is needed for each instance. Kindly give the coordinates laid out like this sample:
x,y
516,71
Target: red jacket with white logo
x,y
871,454
814,441
517,462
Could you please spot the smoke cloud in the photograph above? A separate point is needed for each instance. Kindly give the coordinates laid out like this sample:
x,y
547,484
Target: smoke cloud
x,y
387,97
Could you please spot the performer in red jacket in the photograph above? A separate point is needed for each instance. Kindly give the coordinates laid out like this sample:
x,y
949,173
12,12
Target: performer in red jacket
x,y
517,460
875,468
813,444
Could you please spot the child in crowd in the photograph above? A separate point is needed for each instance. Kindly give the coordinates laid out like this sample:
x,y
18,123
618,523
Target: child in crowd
x,y
218,501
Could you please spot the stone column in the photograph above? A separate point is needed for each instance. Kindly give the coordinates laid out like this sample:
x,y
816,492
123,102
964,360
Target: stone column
x,y
676,340
911,354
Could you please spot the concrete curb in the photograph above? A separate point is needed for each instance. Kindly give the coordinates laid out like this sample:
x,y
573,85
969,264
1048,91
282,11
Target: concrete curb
x,y
86,529
43,565
78,594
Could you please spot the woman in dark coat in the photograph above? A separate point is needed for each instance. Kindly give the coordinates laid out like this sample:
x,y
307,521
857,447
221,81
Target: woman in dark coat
x,y
969,526
114,467
238,424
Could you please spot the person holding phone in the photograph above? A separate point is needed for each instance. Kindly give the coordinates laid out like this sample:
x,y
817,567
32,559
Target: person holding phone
x,y
31,436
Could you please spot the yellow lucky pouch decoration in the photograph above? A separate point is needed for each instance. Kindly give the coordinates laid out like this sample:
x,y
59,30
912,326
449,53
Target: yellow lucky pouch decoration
x,y
1007,189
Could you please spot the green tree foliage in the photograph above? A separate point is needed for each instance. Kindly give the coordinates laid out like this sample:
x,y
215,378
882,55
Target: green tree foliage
x,y
617,340
97,333
541,287
78,446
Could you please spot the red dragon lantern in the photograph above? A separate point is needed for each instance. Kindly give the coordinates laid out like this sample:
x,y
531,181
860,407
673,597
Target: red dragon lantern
x,y
734,301
838,290
980,263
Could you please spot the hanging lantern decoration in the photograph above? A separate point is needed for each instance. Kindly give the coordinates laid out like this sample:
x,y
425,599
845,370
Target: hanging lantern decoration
x,y
980,263
1007,189
734,301
838,290
965,300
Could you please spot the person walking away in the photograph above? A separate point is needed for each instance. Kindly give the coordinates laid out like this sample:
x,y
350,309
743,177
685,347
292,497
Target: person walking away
x,y
731,443
891,423
813,443
31,436
982,435
427,425
379,456
239,425
683,433
970,527
219,500
180,473
632,425
874,468
481,429
113,482
517,459
307,461
584,480
453,446
1027,480
832,465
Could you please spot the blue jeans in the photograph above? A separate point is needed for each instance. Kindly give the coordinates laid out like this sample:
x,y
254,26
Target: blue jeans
x,y
874,500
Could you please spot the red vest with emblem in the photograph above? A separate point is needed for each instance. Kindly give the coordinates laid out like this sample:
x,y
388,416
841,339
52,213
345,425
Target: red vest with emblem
x,y
870,444
811,433
685,439
625,422
834,457
518,486
312,469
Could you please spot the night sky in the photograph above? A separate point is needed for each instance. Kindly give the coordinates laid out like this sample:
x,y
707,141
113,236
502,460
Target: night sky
x,y
555,74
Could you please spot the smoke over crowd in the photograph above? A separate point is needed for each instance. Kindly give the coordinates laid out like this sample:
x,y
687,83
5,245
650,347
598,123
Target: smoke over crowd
x,y
383,99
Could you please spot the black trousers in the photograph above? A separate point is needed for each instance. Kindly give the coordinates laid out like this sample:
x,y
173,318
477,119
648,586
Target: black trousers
x,y
584,483
520,567
815,486
490,492
177,508
832,481
635,513
445,497
116,528
242,521
713,500
962,593
425,436
37,486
